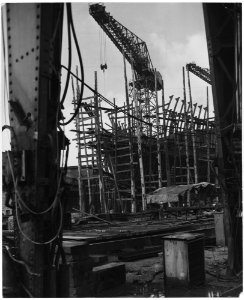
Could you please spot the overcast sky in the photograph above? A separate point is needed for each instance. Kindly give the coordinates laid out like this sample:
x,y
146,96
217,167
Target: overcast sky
x,y
174,34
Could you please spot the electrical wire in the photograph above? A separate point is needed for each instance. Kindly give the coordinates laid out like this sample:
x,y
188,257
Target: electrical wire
x,y
23,203
60,224
15,186
69,10
19,198
26,290
69,58
103,98
21,262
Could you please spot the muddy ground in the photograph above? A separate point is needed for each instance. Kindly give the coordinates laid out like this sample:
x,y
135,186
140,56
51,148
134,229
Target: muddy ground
x,y
145,278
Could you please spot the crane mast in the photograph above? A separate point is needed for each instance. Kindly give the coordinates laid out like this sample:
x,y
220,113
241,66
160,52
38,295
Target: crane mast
x,y
130,45
202,73
146,82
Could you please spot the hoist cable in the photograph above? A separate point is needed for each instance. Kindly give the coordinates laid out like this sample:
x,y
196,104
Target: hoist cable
x,y
100,45
105,49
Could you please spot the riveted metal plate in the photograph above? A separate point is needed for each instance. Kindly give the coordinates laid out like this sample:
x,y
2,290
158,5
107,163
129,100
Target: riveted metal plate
x,y
23,65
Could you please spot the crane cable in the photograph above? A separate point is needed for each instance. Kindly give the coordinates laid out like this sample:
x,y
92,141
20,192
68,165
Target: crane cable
x,y
105,49
100,45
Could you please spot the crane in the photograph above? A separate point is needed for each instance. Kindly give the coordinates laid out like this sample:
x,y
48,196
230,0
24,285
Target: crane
x,y
145,84
130,45
202,73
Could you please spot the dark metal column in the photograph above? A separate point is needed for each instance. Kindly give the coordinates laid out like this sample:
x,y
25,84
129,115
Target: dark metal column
x,y
223,28
34,53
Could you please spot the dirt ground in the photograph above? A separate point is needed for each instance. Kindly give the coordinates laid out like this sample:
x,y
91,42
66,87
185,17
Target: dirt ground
x,y
145,278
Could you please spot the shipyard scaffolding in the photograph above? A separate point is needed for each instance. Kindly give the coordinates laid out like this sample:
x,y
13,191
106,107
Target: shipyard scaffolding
x,y
149,143
132,154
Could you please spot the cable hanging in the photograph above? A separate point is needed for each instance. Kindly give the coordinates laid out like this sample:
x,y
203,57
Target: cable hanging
x,y
71,25
103,62
69,58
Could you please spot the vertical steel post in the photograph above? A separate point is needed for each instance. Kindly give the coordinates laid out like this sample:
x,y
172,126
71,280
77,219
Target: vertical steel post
x,y
34,44
238,65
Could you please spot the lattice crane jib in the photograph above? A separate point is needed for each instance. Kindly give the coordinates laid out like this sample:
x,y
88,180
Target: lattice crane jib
x,y
202,73
130,45
146,82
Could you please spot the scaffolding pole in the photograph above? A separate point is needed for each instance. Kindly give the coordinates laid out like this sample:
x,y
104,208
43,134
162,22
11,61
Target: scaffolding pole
x,y
186,137
133,196
138,133
165,139
158,141
99,155
77,125
192,131
207,140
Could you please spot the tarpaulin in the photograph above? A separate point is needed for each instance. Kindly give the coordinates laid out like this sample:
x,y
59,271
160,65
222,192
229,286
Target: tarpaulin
x,y
171,193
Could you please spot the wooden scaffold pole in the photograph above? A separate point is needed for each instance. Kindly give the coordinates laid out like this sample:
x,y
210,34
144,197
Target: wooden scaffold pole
x,y
158,141
208,141
178,140
138,133
173,130
99,155
193,134
133,196
186,137
77,125
165,139
109,159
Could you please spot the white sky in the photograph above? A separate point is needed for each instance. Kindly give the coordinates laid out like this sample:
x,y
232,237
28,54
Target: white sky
x,y
174,34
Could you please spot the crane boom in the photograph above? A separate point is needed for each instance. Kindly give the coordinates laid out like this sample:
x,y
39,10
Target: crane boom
x,y
130,45
202,73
